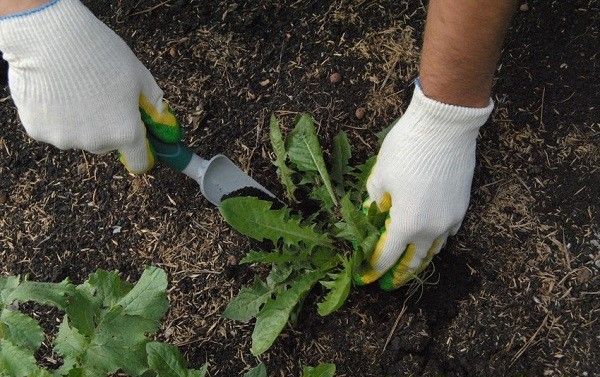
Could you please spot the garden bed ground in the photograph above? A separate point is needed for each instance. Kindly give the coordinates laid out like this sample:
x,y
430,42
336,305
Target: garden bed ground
x,y
516,290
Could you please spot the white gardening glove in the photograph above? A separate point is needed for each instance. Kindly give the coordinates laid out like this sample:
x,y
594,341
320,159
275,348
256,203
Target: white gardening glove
x,y
423,178
76,84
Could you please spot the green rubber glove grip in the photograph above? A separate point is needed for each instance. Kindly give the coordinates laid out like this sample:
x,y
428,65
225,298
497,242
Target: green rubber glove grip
x,y
177,156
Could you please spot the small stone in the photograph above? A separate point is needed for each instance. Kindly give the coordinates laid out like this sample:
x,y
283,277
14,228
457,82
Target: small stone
x,y
173,51
335,78
583,275
524,7
360,113
265,82
3,198
232,260
81,168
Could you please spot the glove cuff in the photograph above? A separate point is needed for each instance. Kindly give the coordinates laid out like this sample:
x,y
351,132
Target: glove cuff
x,y
431,115
34,33
29,12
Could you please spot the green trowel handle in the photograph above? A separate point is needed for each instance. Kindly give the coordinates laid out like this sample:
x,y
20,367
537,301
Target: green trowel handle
x,y
177,156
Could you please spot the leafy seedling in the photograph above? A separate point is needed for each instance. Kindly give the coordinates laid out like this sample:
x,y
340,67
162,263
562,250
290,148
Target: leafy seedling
x,y
326,246
321,370
104,331
258,371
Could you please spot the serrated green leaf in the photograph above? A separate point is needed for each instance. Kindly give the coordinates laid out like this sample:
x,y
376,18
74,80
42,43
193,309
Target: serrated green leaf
x,y
274,315
41,373
69,368
148,297
53,294
364,251
368,244
320,194
355,225
118,338
84,308
284,172
255,218
341,155
119,343
362,176
7,285
324,259
79,372
321,370
16,361
202,372
69,343
278,274
376,217
20,329
304,150
309,178
267,257
248,301
108,286
339,288
258,371
167,361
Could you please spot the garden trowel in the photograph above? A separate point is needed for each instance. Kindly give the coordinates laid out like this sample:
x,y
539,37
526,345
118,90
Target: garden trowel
x,y
219,177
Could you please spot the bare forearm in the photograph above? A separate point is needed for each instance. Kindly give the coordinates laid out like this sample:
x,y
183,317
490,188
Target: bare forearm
x,y
462,43
15,6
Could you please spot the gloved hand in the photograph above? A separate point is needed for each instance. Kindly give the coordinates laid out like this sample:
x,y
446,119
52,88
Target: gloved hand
x,y
76,84
422,176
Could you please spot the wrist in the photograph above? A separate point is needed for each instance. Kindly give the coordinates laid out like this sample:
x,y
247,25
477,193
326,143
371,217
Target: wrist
x,y
10,8
457,91
433,116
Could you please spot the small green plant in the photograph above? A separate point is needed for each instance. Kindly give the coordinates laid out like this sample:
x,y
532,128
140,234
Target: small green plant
x,y
321,370
105,328
327,246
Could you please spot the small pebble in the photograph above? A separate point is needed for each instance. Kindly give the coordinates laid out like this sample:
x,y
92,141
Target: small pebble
x,y
173,52
583,275
232,260
335,78
360,112
524,7
265,82
81,168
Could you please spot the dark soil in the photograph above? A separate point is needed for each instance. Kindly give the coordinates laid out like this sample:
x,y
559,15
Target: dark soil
x,y
514,293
